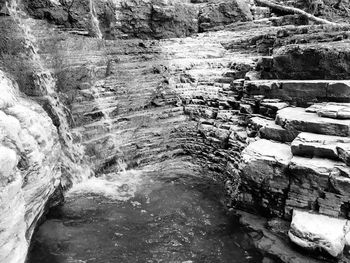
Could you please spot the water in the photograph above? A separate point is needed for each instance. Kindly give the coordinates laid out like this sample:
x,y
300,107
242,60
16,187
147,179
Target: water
x,y
95,24
45,82
142,217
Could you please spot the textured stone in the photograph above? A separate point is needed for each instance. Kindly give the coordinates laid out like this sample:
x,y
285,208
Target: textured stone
x,y
317,145
318,184
30,168
343,151
312,231
331,110
223,12
273,242
313,61
268,129
300,92
299,119
264,175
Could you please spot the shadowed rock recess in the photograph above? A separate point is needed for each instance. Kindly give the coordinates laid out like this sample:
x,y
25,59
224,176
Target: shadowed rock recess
x,y
223,89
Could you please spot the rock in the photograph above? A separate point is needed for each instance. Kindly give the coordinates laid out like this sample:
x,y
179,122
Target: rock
x,y
313,232
343,152
30,168
312,61
318,145
300,92
264,176
272,243
300,120
222,13
139,18
8,162
268,129
331,110
318,184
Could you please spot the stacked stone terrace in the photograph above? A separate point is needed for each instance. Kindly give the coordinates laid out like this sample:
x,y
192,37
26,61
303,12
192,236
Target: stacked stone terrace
x,y
248,104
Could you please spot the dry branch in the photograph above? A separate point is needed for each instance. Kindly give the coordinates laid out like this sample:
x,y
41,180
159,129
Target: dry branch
x,y
293,10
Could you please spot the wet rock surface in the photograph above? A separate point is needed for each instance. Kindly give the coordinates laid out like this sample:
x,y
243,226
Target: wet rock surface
x,y
230,104
30,168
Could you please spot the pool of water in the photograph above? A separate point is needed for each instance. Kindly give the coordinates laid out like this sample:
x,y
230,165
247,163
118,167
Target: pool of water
x,y
142,218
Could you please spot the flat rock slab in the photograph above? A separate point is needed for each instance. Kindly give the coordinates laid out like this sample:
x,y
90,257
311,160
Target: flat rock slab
x,y
300,92
314,231
331,110
318,145
300,120
268,151
268,129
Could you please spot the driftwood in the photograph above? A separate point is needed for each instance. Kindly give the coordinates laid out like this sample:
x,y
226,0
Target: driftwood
x,y
293,10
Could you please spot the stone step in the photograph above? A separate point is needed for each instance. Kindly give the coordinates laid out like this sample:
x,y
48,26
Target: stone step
x,y
298,119
318,232
300,92
319,145
331,110
268,129
264,176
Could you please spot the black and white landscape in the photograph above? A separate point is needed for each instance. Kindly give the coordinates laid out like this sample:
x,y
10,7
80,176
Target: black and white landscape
x,y
177,131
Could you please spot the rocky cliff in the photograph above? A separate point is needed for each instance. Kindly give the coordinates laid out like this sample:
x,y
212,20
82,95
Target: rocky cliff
x,y
216,88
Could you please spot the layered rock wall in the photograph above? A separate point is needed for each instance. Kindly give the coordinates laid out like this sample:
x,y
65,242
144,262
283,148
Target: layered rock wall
x,y
30,168
195,105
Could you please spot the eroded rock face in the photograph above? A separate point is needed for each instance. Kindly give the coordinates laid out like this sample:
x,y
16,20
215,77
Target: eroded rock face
x,y
175,102
317,61
141,18
264,176
312,232
30,168
218,13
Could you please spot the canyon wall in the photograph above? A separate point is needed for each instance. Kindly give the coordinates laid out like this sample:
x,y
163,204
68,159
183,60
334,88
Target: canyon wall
x,y
113,86
30,168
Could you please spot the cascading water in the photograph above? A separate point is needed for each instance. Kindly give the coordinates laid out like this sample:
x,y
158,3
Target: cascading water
x,y
46,83
95,30
130,215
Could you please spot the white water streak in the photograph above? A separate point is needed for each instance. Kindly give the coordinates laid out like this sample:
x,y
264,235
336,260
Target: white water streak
x,y
120,186
94,21
46,83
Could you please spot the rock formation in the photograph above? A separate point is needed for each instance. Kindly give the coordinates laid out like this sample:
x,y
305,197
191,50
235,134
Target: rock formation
x,y
259,102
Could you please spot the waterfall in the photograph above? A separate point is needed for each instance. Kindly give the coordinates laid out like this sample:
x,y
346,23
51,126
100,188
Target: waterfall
x,y
95,24
45,83
118,184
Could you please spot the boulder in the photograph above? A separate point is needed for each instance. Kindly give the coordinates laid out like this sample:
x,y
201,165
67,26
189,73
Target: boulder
x,y
318,232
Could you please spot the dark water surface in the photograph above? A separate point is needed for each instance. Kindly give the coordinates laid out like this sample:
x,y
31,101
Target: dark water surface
x,y
178,219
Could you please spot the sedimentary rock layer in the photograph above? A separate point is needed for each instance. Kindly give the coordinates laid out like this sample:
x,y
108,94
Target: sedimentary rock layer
x,y
30,168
